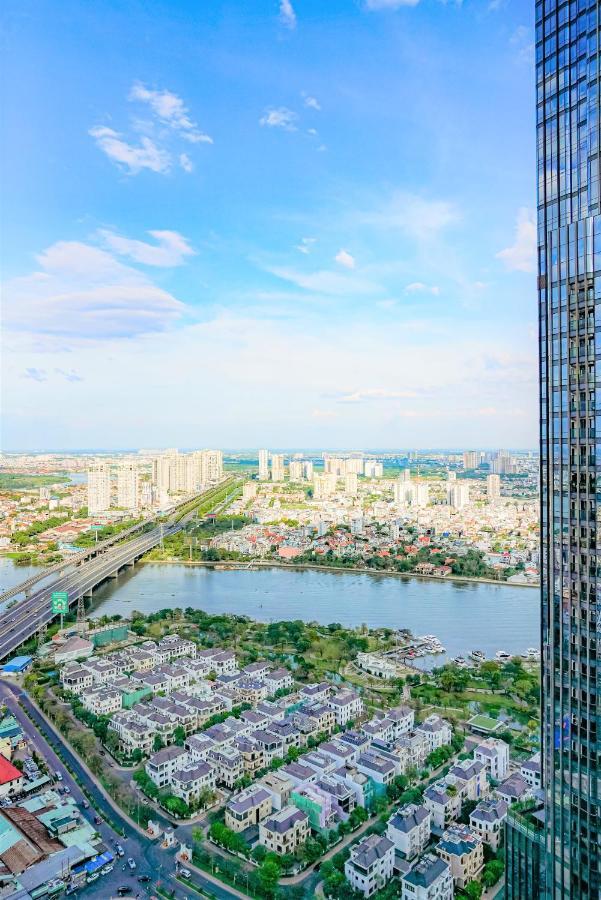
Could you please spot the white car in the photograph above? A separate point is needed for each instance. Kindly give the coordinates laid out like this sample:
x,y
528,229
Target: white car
x,y
131,863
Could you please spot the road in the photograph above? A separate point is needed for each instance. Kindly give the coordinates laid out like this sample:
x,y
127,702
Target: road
x,y
23,620
151,858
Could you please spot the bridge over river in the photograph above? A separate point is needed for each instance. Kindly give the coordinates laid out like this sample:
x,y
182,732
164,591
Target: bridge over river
x,y
80,574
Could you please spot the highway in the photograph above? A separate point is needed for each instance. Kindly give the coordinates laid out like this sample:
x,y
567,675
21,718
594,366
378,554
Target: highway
x,y
23,620
78,578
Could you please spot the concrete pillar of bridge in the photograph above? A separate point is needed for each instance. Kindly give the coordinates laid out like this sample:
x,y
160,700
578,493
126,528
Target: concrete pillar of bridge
x,y
114,574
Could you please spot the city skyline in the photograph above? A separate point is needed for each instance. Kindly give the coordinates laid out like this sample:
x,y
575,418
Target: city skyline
x,y
341,278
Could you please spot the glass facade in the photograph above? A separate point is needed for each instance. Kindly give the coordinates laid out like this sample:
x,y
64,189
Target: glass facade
x,y
524,853
569,294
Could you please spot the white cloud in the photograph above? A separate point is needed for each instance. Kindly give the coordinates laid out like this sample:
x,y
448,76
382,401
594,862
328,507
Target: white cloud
x,y
388,4
311,102
35,374
80,291
521,256
70,375
287,14
306,244
170,110
417,217
376,394
523,40
344,258
133,389
134,158
186,163
324,414
418,287
280,117
171,248
325,282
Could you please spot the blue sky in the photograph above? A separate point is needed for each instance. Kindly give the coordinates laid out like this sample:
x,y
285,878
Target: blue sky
x,y
274,223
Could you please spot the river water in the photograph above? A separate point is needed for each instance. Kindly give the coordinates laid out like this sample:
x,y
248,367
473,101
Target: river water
x,y
465,616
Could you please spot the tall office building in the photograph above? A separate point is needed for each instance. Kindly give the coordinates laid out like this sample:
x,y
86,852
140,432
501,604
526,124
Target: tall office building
x,y
127,486
99,488
566,834
263,465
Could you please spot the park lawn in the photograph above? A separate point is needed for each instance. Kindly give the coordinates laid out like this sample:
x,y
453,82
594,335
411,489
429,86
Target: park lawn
x,y
496,701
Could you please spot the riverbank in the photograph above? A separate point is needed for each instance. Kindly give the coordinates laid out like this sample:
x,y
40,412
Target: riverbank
x,y
225,565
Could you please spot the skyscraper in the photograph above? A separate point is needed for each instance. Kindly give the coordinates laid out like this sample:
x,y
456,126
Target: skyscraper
x,y
263,465
99,488
128,486
277,466
566,834
493,487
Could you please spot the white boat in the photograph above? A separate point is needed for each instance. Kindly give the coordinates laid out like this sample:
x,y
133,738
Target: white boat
x,y
533,653
502,656
478,656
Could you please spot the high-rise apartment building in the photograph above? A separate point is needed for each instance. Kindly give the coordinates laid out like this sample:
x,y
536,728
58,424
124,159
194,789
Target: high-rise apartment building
x,y
493,487
471,459
297,471
211,467
99,488
263,465
277,467
350,484
373,469
566,834
458,494
127,486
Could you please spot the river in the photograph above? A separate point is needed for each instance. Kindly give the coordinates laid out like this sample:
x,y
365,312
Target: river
x,y
465,616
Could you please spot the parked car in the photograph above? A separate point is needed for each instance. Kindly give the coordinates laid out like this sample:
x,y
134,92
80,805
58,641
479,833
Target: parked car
x,y
97,820
131,863
59,776
119,850
123,890
85,804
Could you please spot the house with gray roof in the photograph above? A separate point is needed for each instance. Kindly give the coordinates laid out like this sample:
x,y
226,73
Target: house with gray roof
x,y
284,831
487,820
248,808
370,864
429,879
409,830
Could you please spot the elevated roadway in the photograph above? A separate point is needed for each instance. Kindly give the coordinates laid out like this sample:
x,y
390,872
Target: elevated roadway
x,y
78,577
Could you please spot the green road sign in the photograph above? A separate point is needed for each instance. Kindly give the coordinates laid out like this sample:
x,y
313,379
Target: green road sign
x,y
60,602
96,527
